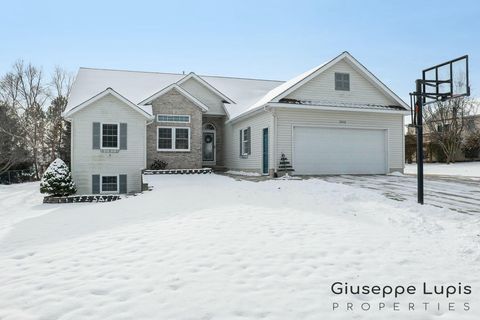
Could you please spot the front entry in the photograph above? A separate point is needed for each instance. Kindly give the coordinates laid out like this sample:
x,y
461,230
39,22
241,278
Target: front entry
x,y
265,151
208,146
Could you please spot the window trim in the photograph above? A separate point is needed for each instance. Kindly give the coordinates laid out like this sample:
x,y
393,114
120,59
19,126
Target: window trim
x,y
111,191
342,81
174,137
171,121
118,136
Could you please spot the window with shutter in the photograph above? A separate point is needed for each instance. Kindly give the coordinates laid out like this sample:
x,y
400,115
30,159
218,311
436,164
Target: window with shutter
x,y
110,136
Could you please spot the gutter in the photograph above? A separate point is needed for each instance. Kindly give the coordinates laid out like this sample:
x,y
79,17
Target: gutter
x,y
330,108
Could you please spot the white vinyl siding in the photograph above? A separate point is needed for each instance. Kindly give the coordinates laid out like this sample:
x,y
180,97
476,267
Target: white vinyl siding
x,y
232,140
87,161
287,119
205,95
322,88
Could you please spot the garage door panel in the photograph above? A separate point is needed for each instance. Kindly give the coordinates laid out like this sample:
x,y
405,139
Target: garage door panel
x,y
339,151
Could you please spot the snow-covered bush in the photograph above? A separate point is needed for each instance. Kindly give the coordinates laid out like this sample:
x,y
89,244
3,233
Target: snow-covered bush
x,y
57,180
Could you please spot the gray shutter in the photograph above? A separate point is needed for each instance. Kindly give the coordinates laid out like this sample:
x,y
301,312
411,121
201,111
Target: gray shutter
x,y
123,136
95,183
241,143
96,135
123,183
249,143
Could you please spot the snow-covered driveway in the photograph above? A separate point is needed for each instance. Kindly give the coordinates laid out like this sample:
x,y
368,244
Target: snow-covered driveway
x,y
211,247
455,193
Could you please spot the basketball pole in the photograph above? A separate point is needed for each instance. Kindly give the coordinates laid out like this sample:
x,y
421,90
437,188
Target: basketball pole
x,y
419,127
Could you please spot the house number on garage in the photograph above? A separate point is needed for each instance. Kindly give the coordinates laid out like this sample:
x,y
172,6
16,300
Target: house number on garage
x,y
343,121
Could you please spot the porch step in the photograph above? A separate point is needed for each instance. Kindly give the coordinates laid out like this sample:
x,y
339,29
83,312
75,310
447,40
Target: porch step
x,y
179,171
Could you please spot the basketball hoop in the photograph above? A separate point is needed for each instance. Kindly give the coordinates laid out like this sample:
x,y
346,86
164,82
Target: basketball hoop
x,y
442,82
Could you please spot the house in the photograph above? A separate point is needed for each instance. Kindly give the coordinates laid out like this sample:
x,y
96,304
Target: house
x,y
336,118
434,129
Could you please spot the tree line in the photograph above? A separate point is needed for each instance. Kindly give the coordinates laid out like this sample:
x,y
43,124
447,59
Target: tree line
x,y
32,130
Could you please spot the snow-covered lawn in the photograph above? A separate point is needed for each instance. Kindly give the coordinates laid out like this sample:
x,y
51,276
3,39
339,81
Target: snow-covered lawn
x,y
466,169
211,247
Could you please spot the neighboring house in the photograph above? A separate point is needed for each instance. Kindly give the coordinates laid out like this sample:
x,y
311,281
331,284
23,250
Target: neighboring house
x,y
337,118
472,125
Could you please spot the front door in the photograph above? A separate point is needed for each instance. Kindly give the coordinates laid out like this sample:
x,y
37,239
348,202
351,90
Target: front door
x,y
208,146
265,151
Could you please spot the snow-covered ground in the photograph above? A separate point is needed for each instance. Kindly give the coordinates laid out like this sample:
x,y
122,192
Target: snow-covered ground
x,y
211,247
243,173
466,169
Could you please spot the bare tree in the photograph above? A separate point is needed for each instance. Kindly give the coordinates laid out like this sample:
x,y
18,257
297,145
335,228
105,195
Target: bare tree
x,y
446,122
11,150
58,135
24,91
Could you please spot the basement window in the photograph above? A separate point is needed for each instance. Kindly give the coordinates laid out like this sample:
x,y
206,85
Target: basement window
x,y
109,184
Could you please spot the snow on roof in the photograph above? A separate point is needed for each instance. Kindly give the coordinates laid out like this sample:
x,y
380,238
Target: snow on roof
x,y
139,85
272,94
342,104
249,94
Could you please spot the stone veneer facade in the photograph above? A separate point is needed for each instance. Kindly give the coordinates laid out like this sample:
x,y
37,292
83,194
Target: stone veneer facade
x,y
175,103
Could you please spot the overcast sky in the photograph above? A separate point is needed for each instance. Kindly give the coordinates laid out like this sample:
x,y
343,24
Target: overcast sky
x,y
256,39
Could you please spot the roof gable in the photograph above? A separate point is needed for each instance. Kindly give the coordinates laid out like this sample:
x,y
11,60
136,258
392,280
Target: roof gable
x,y
321,88
182,91
100,95
304,78
214,90
284,89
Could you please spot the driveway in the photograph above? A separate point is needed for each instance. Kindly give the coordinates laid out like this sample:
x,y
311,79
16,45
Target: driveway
x,y
456,193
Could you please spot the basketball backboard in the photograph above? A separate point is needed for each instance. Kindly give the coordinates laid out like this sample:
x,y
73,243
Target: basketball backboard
x,y
446,80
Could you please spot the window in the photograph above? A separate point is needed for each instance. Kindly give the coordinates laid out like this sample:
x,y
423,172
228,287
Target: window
x,y
173,139
245,144
342,81
164,138
181,138
173,118
109,184
110,135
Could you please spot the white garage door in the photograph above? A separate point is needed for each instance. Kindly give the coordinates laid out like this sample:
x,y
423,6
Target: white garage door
x,y
339,151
